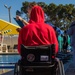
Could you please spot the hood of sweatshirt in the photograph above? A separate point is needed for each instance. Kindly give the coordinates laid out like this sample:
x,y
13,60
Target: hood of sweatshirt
x,y
37,15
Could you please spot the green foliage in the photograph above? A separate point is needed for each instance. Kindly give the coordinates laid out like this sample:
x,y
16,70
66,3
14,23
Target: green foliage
x,y
60,15
24,6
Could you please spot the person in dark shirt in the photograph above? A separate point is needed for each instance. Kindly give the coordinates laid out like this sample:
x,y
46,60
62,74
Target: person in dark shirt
x,y
65,41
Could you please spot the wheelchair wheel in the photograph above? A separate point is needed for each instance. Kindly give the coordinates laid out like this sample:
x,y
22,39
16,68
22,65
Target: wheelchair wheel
x,y
17,69
60,68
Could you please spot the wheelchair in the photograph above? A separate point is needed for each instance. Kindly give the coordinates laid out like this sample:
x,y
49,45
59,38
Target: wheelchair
x,y
39,60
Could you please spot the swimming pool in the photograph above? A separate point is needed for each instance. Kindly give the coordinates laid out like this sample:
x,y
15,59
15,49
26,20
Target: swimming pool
x,y
9,58
8,61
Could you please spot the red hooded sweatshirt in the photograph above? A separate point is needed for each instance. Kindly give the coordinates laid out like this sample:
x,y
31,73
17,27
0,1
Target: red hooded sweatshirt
x,y
37,32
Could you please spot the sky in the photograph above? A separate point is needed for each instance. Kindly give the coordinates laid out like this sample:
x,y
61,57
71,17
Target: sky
x,y
17,4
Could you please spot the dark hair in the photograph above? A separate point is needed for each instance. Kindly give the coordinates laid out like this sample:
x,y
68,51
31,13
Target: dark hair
x,y
31,4
65,31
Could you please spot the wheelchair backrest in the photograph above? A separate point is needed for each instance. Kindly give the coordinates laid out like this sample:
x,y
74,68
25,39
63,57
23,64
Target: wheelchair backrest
x,y
44,53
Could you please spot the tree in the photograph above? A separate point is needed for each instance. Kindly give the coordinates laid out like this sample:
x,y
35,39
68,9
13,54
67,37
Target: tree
x,y
59,15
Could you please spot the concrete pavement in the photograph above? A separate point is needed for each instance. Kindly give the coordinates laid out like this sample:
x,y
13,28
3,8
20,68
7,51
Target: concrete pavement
x,y
70,70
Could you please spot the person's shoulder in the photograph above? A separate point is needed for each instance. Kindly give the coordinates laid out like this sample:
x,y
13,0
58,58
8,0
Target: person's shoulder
x,y
48,26
29,26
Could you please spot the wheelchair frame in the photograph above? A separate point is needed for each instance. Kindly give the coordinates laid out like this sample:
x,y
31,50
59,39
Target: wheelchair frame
x,y
46,60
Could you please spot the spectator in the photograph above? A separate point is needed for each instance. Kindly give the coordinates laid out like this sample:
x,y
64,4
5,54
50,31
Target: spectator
x,y
60,40
71,33
29,8
65,41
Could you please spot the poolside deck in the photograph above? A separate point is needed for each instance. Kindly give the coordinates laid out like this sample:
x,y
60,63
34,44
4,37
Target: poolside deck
x,y
9,53
70,70
6,72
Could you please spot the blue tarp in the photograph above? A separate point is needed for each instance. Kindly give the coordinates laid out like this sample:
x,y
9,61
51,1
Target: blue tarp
x,y
57,29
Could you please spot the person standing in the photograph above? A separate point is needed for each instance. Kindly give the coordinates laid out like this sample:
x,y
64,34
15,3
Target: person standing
x,y
29,8
60,40
71,33
65,42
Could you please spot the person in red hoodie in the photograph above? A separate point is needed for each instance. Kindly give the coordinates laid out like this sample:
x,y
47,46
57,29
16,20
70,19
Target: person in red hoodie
x,y
37,32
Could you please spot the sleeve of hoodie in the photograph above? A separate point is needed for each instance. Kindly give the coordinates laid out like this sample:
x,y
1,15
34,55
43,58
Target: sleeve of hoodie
x,y
19,40
23,34
53,39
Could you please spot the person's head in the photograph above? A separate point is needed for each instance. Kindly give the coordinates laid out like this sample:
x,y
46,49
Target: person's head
x,y
30,6
37,14
65,32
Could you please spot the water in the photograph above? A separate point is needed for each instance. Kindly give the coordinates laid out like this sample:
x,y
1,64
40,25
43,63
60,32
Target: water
x,y
9,58
8,61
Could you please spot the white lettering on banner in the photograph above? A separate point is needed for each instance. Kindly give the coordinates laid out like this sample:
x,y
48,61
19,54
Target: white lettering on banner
x,y
44,58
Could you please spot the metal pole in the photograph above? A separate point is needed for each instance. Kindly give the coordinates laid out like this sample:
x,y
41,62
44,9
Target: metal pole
x,y
9,20
9,15
8,12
